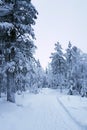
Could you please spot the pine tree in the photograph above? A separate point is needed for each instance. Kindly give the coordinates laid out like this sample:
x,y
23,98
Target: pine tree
x,y
69,62
58,65
16,20
73,62
83,74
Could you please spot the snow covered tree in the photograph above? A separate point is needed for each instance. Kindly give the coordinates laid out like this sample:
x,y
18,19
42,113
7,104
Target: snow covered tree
x,y
75,66
68,56
58,65
73,60
83,74
49,76
35,76
16,20
6,38
69,70
39,73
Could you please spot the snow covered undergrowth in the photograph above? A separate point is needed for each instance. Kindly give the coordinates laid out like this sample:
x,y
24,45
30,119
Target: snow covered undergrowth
x,y
48,110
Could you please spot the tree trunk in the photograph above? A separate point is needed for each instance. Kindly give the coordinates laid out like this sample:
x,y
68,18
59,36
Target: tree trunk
x,y
0,84
0,90
10,87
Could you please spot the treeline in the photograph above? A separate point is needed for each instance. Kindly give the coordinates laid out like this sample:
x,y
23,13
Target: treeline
x,y
68,70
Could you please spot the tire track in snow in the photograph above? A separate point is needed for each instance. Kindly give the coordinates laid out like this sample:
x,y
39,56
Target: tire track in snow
x,y
82,127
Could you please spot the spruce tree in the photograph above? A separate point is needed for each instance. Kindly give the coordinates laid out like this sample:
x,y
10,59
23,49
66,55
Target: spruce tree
x,y
16,20
58,65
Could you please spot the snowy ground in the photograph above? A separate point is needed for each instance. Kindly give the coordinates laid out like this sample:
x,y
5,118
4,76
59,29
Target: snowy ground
x,y
48,110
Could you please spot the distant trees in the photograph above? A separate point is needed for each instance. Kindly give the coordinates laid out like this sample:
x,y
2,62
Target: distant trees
x,y
68,70
35,77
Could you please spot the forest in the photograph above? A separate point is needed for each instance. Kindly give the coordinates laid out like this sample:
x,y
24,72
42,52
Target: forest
x,y
20,71
33,98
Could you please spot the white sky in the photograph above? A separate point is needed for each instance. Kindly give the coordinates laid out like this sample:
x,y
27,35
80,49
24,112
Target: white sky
x,y
60,20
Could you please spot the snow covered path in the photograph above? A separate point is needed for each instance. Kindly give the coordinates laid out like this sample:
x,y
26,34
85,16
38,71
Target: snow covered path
x,y
42,111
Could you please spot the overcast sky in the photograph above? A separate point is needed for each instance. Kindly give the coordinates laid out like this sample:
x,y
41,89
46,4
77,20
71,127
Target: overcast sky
x,y
60,20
